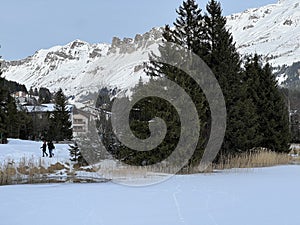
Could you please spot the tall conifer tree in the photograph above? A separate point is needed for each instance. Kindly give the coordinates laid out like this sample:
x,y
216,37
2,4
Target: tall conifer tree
x,y
188,32
225,63
3,109
270,106
60,123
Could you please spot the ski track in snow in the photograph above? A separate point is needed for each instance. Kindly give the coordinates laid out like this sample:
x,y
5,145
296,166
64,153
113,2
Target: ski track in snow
x,y
262,196
180,216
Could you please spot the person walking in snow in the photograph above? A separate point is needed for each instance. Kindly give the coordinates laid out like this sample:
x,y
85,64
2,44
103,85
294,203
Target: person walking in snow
x,y
44,148
50,148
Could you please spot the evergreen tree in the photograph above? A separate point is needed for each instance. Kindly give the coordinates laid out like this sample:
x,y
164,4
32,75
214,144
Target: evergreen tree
x,y
14,122
44,95
3,110
12,119
189,29
103,97
25,128
208,37
294,106
103,124
76,156
36,93
270,106
31,93
225,63
276,115
60,123
74,152
188,32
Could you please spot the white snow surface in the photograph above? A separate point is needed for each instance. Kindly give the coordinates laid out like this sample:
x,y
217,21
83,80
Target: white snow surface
x,y
17,150
266,196
263,196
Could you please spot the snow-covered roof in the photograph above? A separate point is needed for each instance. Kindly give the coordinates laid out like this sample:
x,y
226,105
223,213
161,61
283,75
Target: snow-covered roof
x,y
45,108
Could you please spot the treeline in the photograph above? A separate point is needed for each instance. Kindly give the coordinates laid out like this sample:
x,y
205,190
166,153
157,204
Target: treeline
x,y
257,113
13,86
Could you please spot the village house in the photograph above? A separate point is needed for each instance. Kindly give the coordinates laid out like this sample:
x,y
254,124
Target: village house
x,y
40,114
80,122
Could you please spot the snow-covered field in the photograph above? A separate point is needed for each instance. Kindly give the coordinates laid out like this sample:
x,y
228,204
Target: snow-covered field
x,y
263,196
17,149
268,196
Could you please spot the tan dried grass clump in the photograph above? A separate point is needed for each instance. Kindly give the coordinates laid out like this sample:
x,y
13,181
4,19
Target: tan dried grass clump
x,y
56,167
258,158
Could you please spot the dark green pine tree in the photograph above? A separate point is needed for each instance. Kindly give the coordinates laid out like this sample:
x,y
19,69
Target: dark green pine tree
x,y
14,123
35,93
225,63
44,95
277,115
25,128
60,122
13,118
3,110
222,57
31,93
189,32
270,105
76,156
189,28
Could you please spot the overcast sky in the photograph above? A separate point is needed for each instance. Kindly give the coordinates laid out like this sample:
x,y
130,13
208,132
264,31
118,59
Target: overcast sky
x,y
30,25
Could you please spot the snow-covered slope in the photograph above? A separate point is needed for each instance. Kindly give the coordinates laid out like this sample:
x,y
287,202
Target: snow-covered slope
x,y
80,68
272,30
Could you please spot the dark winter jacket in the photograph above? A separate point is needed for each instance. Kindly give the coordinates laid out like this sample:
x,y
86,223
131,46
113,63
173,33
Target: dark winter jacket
x,y
51,145
44,147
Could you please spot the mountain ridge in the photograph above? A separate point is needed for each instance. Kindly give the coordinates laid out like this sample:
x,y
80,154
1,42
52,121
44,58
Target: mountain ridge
x,y
80,68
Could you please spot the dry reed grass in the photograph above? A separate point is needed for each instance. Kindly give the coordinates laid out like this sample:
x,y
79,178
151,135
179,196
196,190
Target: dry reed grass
x,y
26,170
254,159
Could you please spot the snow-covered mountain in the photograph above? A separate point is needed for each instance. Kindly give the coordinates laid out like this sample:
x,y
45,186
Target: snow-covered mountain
x,y
80,68
272,31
